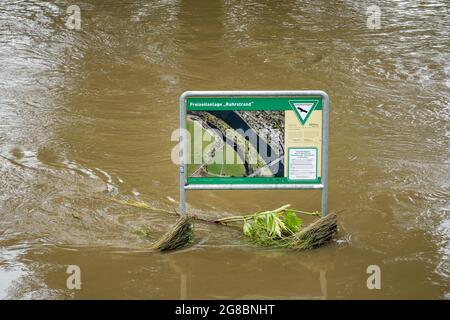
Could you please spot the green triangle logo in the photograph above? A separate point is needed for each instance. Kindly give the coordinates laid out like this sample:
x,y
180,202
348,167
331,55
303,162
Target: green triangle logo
x,y
303,109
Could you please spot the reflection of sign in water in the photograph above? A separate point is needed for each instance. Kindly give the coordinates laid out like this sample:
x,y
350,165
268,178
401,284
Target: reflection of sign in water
x,y
302,164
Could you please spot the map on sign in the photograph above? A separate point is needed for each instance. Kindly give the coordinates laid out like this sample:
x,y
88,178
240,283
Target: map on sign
x,y
254,140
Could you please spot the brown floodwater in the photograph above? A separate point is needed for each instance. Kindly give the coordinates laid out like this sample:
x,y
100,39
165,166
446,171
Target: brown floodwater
x,y
87,115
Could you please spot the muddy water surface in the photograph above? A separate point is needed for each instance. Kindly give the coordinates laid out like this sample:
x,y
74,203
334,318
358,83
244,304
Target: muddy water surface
x,y
87,115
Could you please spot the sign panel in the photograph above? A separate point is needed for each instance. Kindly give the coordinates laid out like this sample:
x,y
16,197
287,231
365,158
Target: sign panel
x,y
261,139
302,164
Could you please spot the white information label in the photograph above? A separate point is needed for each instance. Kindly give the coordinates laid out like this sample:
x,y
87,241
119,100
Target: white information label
x,y
302,163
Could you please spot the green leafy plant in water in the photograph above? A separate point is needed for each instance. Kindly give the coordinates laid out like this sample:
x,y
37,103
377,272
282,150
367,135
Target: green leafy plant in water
x,y
271,228
292,222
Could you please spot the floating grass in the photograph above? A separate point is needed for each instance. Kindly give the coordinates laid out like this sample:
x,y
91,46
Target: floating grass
x,y
314,235
178,236
279,228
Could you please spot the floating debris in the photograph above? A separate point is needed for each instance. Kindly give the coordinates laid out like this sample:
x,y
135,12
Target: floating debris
x,y
282,228
177,237
279,228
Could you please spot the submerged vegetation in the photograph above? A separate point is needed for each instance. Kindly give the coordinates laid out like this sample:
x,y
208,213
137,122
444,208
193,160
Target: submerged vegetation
x,y
279,228
176,237
268,228
284,229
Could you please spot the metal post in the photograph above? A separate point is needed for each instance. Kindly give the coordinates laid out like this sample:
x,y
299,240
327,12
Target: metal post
x,y
182,155
325,114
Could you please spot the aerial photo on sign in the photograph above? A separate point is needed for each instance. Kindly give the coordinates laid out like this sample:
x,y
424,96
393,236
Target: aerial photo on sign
x,y
233,143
